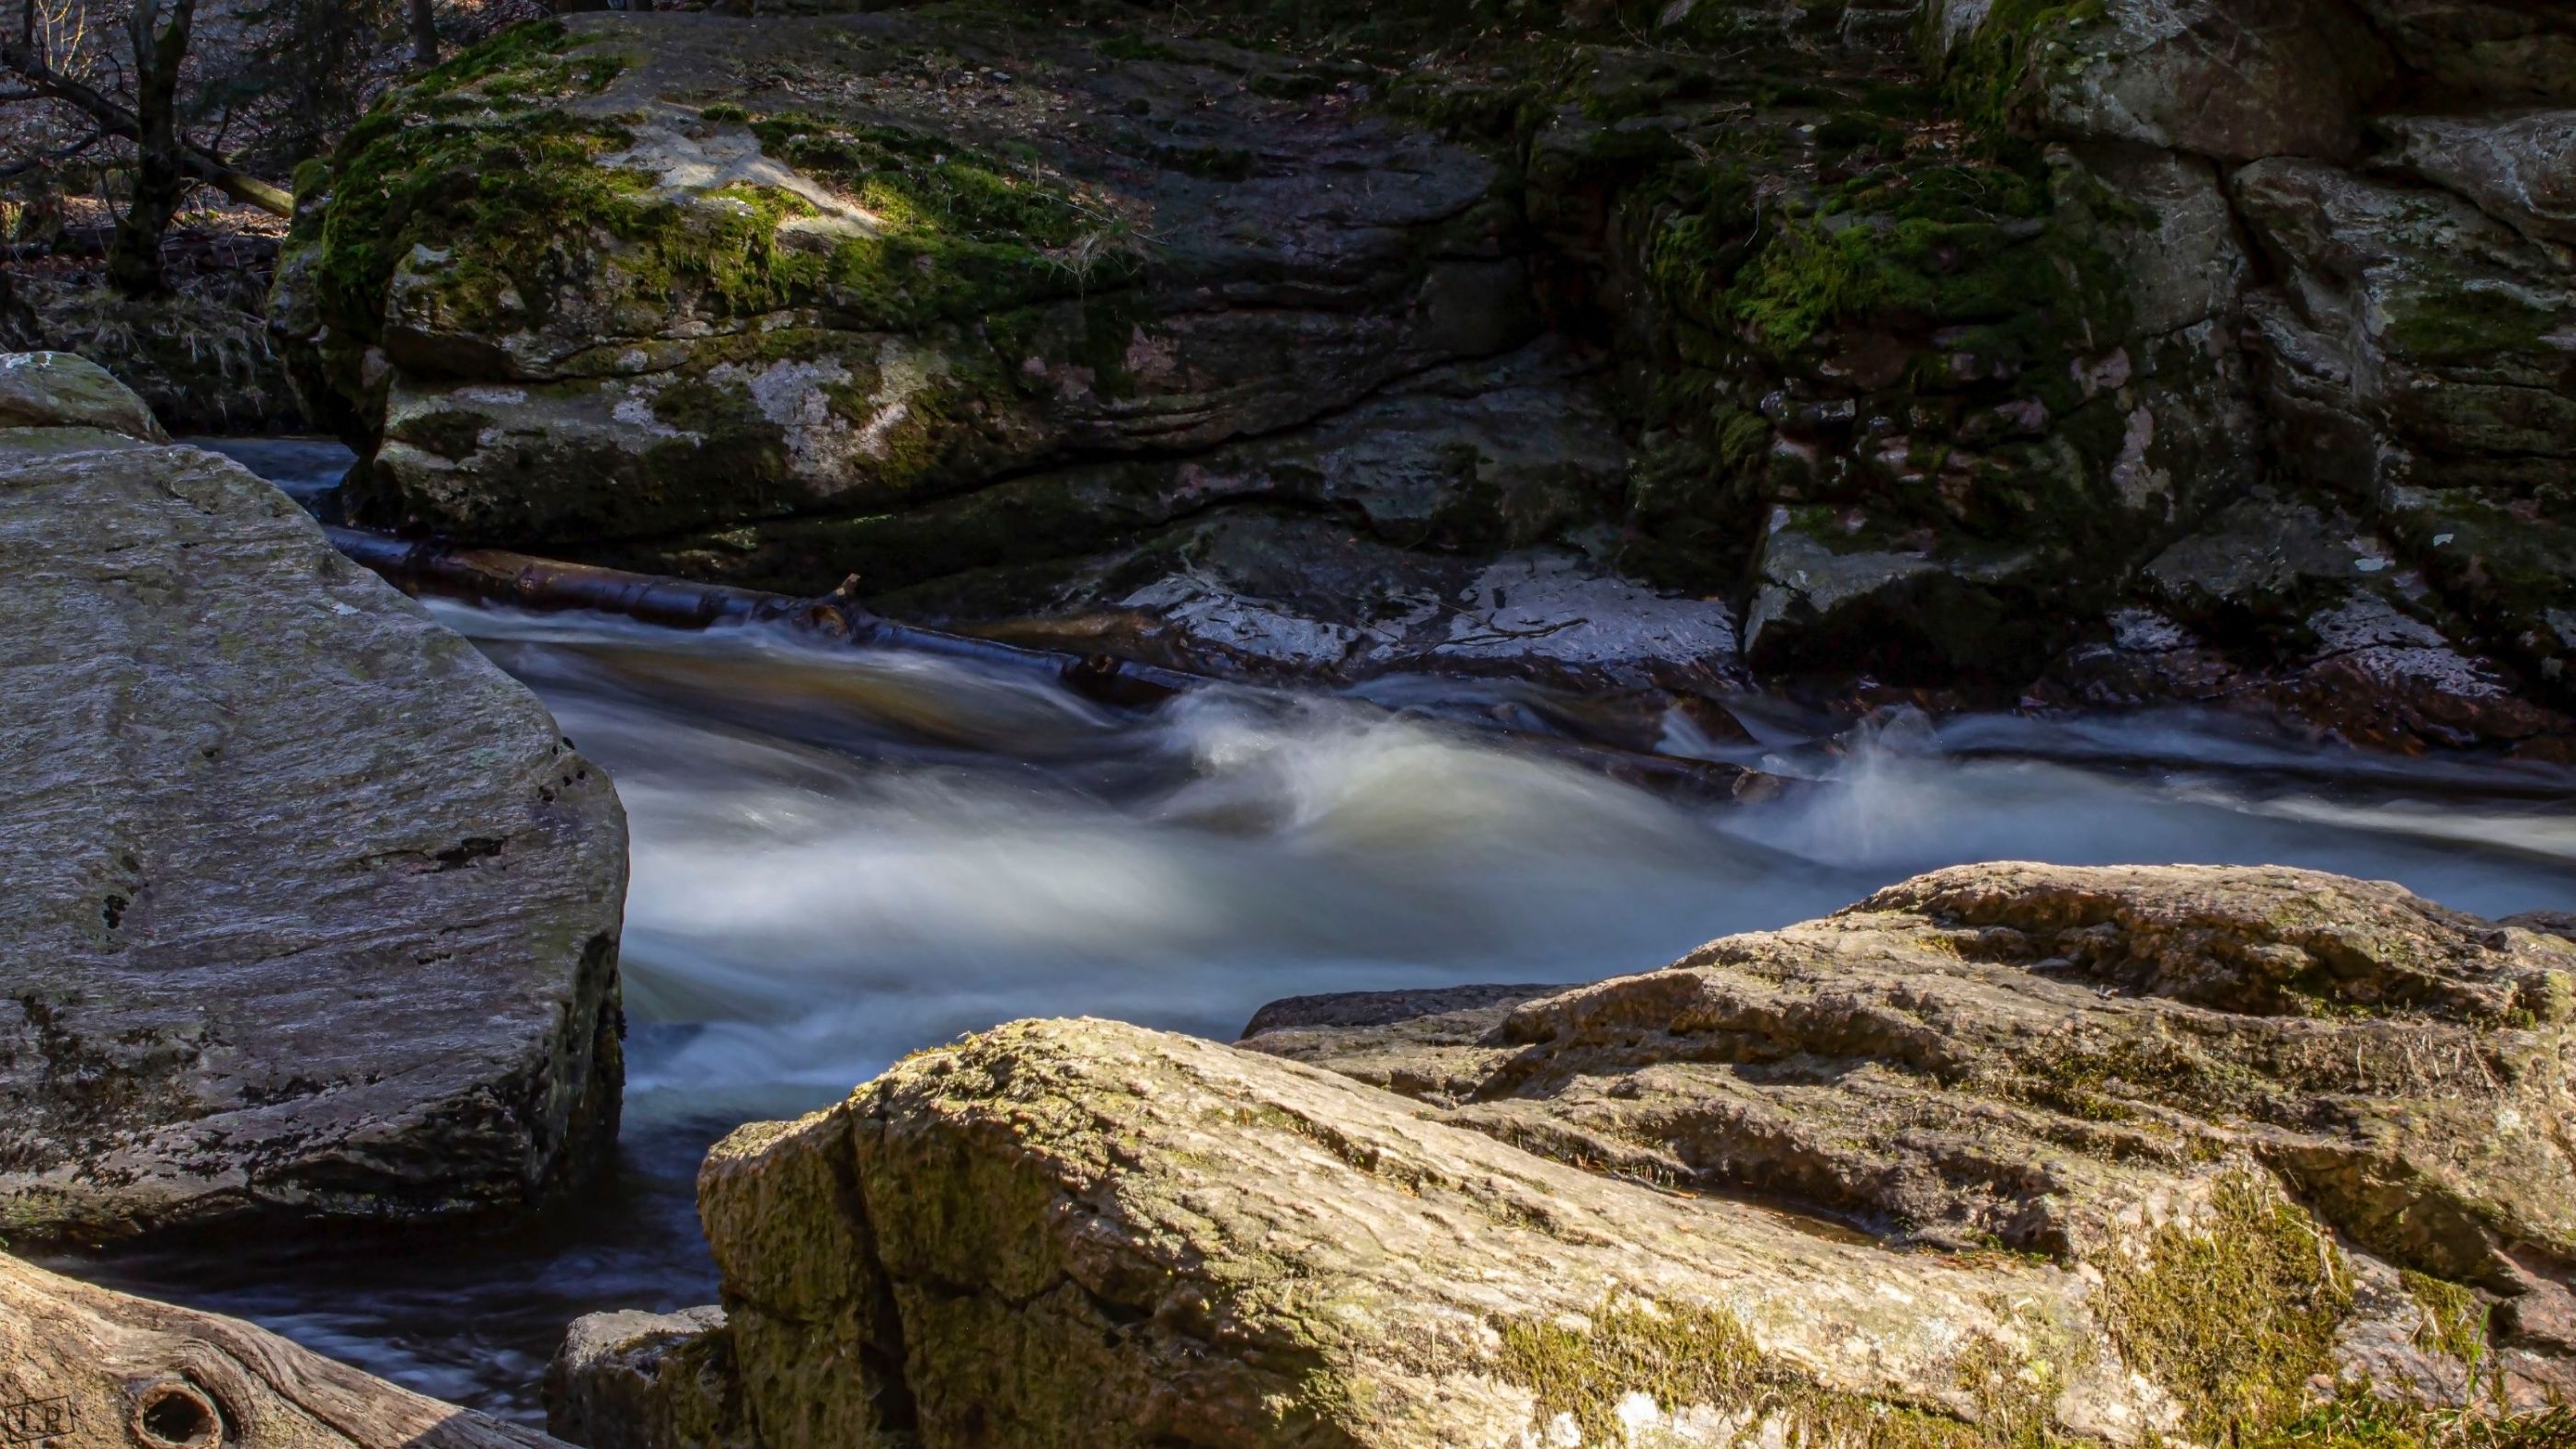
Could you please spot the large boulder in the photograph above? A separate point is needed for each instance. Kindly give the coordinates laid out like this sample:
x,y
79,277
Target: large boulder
x,y
314,913
2001,1155
679,277
2031,1056
89,1366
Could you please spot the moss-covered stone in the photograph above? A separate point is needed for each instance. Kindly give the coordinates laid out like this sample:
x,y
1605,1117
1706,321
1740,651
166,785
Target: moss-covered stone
x,y
2235,1313
1683,1357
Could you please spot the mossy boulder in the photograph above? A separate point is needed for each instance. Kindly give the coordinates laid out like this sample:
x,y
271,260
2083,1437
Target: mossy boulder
x,y
265,971
2005,1156
586,284
2032,1058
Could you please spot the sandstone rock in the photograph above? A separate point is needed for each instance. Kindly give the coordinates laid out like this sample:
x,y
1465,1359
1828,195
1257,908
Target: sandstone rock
x,y
314,913
88,1366
1997,1154
2003,1151
2036,1047
647,1381
2031,1055
1085,1231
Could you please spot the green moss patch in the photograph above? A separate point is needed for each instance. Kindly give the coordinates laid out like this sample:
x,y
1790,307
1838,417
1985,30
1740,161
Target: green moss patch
x,y
507,209
1683,1354
2455,1318
1997,71
2459,323
2235,1315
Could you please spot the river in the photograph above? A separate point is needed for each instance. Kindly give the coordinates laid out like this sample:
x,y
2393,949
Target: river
x,y
840,856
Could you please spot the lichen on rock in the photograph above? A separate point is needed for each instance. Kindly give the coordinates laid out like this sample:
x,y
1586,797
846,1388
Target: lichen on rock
x,y
2004,1157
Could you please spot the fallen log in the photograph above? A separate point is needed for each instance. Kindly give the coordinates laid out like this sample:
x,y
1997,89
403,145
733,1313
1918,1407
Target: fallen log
x,y
542,583
531,582
87,1365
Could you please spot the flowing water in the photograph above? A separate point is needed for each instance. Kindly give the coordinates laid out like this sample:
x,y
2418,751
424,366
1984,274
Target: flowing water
x,y
840,856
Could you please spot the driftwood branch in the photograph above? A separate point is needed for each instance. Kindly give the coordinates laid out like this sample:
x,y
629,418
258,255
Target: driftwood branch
x,y
90,1366
541,583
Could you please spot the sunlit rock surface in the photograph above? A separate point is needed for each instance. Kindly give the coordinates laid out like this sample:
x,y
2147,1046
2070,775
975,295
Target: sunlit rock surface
x,y
2132,1154
313,913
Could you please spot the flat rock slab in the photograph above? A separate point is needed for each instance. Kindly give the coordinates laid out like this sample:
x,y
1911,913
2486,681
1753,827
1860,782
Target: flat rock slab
x,y
313,912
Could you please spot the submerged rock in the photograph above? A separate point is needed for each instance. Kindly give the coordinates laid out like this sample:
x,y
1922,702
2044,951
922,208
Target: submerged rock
x,y
2003,1153
90,1366
314,913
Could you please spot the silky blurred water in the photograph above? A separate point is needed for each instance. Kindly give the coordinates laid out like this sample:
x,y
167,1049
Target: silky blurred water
x,y
840,856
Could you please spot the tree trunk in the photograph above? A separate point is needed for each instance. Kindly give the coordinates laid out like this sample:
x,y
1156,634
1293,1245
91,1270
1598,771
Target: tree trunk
x,y
424,34
160,176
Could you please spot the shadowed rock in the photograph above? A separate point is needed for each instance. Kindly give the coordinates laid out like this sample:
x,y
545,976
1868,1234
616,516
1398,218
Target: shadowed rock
x,y
314,913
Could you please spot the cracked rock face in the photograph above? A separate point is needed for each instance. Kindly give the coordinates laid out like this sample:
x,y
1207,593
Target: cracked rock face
x,y
2137,1155
1886,351
2034,1056
315,913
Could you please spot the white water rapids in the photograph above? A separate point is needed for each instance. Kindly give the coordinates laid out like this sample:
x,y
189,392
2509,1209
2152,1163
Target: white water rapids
x,y
840,856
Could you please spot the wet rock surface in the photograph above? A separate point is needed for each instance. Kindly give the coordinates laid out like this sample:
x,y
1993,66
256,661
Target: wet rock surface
x,y
314,912
2008,1149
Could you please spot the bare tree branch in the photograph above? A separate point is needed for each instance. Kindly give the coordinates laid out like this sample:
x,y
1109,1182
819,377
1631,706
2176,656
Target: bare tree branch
x,y
52,158
18,56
